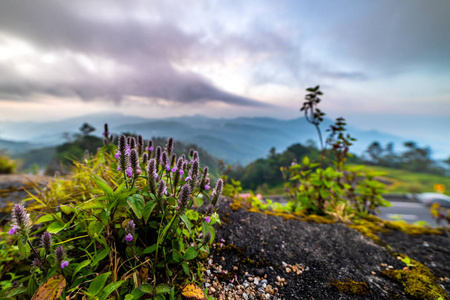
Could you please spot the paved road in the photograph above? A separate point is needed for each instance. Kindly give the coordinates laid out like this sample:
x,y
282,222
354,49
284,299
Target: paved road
x,y
410,212
403,207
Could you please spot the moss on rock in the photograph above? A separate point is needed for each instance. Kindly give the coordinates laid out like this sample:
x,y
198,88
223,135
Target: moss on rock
x,y
351,287
417,281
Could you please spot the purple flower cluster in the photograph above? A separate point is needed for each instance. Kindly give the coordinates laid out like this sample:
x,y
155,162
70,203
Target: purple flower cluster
x,y
130,230
20,220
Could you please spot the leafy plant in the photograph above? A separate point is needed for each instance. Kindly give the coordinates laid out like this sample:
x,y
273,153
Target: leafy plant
x,y
7,165
135,225
338,190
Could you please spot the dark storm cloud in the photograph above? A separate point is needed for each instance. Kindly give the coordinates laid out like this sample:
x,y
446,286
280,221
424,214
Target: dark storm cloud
x,y
145,53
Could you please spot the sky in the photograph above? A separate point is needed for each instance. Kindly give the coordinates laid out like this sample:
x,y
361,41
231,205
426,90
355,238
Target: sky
x,y
381,64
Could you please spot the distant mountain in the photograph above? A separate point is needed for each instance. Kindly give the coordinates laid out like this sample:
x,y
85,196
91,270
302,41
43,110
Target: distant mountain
x,y
240,140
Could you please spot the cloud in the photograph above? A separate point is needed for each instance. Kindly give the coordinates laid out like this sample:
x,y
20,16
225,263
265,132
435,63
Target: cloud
x,y
397,36
102,52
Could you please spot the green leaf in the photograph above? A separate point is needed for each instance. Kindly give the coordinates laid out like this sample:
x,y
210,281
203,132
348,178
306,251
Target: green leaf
x,y
24,248
100,256
305,160
190,253
101,183
55,227
95,228
191,214
177,257
148,208
146,288
187,223
98,283
119,189
110,288
80,266
185,267
136,202
45,218
129,297
66,209
162,289
150,249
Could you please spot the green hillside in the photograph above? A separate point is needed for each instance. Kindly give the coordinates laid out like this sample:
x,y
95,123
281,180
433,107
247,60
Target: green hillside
x,y
401,181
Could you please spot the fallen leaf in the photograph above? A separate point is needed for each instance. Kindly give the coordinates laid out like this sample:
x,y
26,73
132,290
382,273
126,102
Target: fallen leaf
x,y
192,291
51,290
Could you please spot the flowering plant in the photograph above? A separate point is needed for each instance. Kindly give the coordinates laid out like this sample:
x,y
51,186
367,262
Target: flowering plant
x,y
130,221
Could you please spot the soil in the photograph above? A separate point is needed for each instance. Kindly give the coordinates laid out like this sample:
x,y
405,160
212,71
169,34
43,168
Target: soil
x,y
258,244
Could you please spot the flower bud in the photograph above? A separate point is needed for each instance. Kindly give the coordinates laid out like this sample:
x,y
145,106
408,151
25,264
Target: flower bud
x,y
209,210
60,255
184,195
217,192
158,157
20,220
134,162
140,145
195,155
169,146
46,241
194,168
164,159
162,189
179,168
132,142
150,148
145,158
37,263
130,227
122,145
173,159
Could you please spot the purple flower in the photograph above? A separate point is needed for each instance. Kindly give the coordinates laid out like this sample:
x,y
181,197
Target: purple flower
x,y
64,264
181,172
119,168
46,241
174,169
117,154
138,171
165,190
208,219
129,172
105,134
207,187
150,148
129,237
20,220
168,168
13,229
188,178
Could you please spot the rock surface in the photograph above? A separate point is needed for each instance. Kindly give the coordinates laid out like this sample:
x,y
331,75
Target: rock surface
x,y
258,244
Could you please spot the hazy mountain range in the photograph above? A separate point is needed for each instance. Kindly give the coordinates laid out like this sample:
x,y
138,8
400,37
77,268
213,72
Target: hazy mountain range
x,y
239,140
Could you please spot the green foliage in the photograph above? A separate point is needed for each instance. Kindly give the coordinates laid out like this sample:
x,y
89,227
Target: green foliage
x,y
338,190
403,181
7,165
118,236
414,158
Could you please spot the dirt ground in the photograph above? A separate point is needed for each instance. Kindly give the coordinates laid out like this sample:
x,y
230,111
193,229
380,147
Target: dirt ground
x,y
256,245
